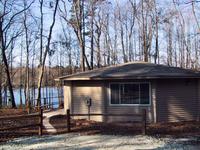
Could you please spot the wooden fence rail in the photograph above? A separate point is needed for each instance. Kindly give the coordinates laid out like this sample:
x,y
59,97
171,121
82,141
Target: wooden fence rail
x,y
142,115
18,117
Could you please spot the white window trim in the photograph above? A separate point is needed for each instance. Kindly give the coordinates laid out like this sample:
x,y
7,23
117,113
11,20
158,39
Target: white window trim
x,y
109,92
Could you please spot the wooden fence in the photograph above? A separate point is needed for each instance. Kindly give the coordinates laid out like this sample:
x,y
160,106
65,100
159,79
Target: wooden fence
x,y
18,117
49,102
142,115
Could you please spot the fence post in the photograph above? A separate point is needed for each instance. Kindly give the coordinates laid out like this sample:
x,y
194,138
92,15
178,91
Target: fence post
x,y
88,112
144,121
45,103
28,106
49,103
68,120
40,121
38,104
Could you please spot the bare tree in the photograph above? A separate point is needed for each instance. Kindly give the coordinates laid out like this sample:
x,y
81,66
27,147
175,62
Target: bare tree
x,y
132,23
77,23
147,28
7,23
44,54
92,13
98,22
27,41
194,13
65,40
169,45
122,33
156,54
1,79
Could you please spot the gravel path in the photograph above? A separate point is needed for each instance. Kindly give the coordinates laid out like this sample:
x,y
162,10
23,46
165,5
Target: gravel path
x,y
101,142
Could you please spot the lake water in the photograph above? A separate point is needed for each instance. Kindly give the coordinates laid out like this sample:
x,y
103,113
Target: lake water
x,y
50,93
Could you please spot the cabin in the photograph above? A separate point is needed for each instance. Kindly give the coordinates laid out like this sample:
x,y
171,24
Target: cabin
x,y
169,94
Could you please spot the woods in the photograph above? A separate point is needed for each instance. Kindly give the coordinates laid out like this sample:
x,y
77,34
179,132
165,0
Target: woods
x,y
41,40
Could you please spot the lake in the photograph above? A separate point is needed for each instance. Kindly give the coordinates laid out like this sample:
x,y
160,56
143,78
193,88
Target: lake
x,y
51,93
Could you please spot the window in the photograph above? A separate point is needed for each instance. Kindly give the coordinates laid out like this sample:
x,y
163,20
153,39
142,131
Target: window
x,y
130,93
115,93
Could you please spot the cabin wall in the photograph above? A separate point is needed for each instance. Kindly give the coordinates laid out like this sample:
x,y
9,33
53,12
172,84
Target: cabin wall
x,y
171,100
198,90
177,100
83,90
131,109
67,96
98,91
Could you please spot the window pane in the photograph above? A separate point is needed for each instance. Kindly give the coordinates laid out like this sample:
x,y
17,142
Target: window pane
x,y
130,94
144,93
114,93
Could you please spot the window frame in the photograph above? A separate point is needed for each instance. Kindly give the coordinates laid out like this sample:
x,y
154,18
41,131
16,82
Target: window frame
x,y
110,104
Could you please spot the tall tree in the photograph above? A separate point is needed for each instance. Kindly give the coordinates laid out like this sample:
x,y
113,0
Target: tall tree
x,y
27,41
8,35
77,22
43,55
147,28
1,79
98,23
92,13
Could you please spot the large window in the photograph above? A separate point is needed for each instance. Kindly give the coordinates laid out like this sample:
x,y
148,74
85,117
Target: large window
x,y
130,93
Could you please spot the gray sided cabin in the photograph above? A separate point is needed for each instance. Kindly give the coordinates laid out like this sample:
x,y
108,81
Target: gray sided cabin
x,y
168,94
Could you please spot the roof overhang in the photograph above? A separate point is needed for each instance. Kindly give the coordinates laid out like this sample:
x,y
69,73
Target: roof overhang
x,y
126,78
132,70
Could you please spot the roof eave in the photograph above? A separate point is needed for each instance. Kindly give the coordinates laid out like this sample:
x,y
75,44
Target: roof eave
x,y
122,78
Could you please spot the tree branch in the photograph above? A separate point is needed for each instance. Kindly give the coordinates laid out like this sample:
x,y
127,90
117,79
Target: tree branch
x,y
11,19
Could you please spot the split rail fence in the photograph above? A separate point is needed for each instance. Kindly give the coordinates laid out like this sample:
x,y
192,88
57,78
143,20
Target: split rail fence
x,y
142,115
49,102
18,117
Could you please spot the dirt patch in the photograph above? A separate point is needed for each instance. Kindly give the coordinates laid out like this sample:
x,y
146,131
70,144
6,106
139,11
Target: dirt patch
x,y
19,111
85,127
14,133
9,112
186,128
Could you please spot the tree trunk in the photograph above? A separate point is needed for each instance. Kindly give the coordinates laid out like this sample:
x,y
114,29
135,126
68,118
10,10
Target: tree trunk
x,y
27,61
20,89
92,36
144,30
156,55
1,86
4,58
41,68
169,48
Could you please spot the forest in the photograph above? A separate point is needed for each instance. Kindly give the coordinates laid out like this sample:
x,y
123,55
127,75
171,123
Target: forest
x,y
44,39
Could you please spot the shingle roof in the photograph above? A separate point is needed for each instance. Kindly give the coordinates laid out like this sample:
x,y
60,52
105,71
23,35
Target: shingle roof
x,y
133,70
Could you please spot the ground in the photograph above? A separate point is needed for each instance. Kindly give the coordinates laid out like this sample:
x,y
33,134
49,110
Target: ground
x,y
8,112
109,142
95,135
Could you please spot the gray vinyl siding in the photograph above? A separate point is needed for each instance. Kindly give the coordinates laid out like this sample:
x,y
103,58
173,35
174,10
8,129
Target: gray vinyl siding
x,y
98,92
120,109
177,100
171,100
67,96
81,90
198,91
